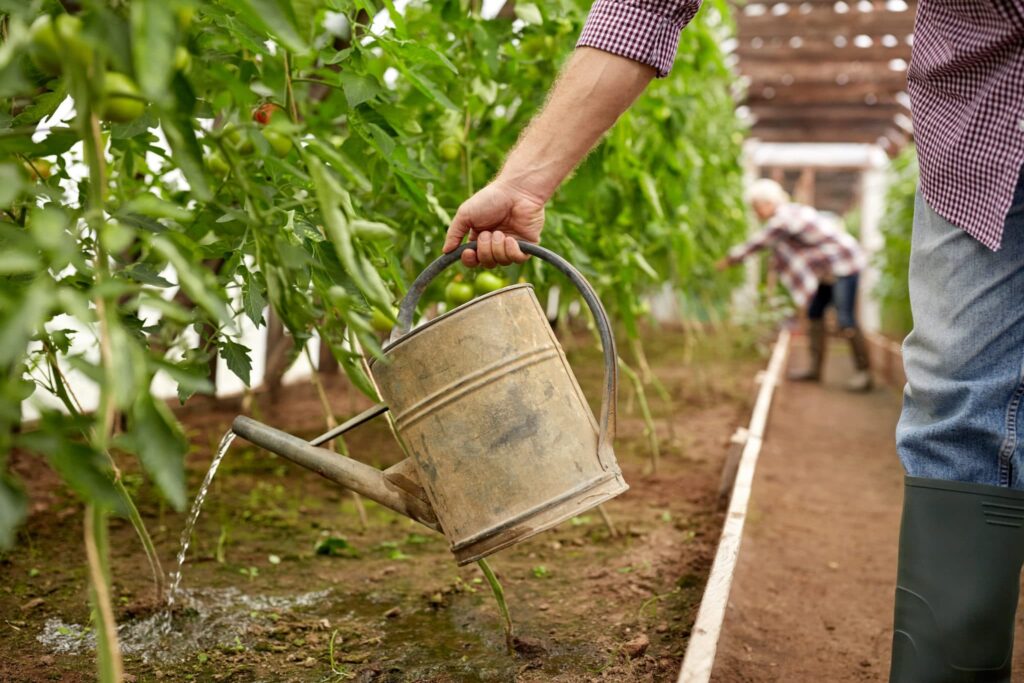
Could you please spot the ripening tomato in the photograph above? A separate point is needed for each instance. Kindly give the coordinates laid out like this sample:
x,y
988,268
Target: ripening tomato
x,y
38,169
264,113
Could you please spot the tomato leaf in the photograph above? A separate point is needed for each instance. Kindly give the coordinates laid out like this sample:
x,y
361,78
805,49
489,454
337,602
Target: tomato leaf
x,y
358,88
529,12
276,18
154,39
85,469
252,299
154,436
237,357
193,280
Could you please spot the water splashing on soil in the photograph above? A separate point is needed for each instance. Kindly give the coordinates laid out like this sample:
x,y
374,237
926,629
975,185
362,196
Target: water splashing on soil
x,y
193,515
208,618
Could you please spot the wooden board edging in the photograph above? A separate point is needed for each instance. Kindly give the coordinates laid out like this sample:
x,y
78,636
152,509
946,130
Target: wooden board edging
x,y
700,651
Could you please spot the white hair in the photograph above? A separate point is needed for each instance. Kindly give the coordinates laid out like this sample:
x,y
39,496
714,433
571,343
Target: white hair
x,y
768,191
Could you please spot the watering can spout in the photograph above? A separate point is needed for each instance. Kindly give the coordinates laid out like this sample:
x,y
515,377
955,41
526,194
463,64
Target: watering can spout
x,y
393,488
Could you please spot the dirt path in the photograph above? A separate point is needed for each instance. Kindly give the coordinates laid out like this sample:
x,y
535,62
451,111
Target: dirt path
x,y
812,596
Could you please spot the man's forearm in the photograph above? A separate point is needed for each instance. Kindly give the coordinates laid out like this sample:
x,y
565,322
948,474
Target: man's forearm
x,y
592,92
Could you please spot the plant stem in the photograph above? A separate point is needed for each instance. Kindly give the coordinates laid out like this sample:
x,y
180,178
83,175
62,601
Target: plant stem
x,y
652,435
293,109
159,578
108,651
62,388
607,519
648,376
339,441
499,597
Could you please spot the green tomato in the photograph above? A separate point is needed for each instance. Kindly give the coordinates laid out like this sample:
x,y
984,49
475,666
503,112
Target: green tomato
x,y
69,31
121,99
663,113
238,139
458,293
45,49
381,322
184,15
215,162
279,142
450,149
116,237
488,282
182,58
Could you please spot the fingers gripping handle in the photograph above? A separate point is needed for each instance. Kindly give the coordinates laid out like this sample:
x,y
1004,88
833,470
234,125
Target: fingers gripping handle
x,y
407,308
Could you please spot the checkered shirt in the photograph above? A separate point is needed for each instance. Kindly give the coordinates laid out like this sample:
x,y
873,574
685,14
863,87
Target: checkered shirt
x,y
966,84
645,31
806,249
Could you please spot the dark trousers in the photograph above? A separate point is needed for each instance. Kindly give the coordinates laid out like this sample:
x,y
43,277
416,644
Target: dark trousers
x,y
843,295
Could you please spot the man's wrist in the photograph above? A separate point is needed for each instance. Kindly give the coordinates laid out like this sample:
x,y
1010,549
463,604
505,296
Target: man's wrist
x,y
525,181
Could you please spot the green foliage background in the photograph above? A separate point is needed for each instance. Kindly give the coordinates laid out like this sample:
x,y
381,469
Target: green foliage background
x,y
390,130
893,260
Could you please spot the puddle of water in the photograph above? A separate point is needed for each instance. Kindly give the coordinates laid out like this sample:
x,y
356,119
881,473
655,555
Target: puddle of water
x,y
209,618
461,642
193,516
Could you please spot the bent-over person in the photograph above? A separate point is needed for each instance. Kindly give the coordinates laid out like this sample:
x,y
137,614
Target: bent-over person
x,y
819,264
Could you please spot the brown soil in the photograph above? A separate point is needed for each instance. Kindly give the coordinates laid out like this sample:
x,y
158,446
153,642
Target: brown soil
x,y
813,590
587,607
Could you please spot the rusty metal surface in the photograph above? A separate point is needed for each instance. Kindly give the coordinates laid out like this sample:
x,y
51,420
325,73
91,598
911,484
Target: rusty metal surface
x,y
496,423
501,439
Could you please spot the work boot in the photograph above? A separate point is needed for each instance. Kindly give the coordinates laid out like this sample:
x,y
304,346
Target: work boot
x,y
961,549
861,380
816,346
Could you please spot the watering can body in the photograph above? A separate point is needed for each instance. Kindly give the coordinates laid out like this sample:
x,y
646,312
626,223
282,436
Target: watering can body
x,y
501,441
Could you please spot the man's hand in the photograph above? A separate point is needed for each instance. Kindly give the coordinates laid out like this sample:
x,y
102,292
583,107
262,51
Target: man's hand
x,y
723,264
496,217
594,89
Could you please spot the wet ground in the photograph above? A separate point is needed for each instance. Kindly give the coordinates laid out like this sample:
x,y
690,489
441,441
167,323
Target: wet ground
x,y
283,584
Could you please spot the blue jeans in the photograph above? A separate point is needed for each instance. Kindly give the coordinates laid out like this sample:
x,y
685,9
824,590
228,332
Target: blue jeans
x,y
963,406
844,294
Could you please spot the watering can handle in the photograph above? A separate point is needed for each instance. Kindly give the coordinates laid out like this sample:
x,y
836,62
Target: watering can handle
x,y
407,308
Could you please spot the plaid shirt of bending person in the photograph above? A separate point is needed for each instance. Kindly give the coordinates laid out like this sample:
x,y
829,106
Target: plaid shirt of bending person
x,y
807,249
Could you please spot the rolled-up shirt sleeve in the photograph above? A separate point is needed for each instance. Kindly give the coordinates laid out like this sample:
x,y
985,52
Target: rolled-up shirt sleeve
x,y
645,31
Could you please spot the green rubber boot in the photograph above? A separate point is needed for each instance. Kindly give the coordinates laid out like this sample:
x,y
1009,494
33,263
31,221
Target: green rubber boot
x,y
961,549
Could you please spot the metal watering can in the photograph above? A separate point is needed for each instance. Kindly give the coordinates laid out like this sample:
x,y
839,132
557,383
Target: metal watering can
x,y
502,443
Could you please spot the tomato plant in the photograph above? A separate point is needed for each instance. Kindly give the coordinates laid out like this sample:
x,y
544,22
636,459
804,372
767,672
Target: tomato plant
x,y
169,168
894,258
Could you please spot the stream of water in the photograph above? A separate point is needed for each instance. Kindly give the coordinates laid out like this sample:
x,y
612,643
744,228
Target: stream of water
x,y
193,515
